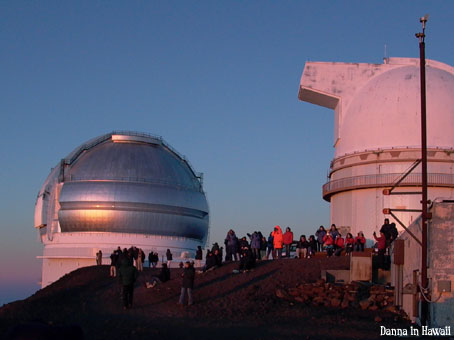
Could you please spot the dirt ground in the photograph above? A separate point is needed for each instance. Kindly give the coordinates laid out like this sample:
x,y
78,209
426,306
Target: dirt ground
x,y
86,304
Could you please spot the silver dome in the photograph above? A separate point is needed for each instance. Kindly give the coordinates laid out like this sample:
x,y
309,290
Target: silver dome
x,y
127,183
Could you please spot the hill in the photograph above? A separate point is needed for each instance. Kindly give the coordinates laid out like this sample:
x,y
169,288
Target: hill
x,y
87,303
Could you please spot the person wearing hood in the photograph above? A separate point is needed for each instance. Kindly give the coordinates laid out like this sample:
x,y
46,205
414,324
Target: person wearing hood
x,y
320,234
277,241
256,240
231,245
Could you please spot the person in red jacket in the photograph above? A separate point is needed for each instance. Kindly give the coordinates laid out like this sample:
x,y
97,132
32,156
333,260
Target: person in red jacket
x,y
349,243
288,240
381,246
328,244
339,245
360,241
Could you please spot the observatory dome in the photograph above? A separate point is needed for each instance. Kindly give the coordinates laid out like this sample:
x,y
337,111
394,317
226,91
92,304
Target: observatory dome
x,y
124,183
385,112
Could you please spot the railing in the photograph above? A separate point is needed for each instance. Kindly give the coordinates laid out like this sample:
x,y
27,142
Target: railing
x,y
196,184
384,180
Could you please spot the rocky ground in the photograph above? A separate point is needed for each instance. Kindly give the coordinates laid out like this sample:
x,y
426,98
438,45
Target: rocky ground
x,y
86,303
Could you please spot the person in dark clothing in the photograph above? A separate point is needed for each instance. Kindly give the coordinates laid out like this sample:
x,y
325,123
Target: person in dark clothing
x,y
218,257
198,256
169,257
263,245
113,264
301,247
210,261
393,231
385,229
243,243
312,246
247,260
320,234
256,240
127,275
187,284
270,246
231,244
150,258
215,247
164,276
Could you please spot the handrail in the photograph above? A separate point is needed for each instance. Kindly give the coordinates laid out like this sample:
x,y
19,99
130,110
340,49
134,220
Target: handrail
x,y
384,180
196,186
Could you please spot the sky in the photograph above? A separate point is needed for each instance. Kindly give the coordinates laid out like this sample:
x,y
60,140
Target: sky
x,y
218,80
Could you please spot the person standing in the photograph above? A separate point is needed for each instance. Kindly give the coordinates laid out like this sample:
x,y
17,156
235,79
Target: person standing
x,y
198,256
270,246
277,242
187,284
334,232
231,245
150,259
113,264
320,234
263,245
99,258
255,244
140,256
169,257
127,275
288,240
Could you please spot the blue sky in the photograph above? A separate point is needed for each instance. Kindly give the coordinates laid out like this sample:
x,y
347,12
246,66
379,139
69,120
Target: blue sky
x,y
217,79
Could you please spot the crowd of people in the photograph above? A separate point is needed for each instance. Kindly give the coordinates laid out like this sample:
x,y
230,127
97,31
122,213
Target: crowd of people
x,y
246,250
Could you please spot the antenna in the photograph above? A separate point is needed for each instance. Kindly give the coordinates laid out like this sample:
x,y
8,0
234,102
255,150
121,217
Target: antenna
x,y
385,58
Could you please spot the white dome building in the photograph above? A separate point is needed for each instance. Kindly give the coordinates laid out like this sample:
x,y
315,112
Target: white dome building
x,y
377,135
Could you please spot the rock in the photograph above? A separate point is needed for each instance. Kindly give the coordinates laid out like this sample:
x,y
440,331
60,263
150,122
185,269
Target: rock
x,y
392,309
364,304
317,301
282,294
345,303
335,302
320,282
379,298
300,299
294,292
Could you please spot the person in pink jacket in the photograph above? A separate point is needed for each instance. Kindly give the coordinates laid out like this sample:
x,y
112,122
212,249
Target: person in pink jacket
x,y
277,241
381,246
288,240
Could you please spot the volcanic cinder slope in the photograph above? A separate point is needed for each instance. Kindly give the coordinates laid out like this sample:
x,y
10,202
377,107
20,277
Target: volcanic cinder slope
x,y
227,306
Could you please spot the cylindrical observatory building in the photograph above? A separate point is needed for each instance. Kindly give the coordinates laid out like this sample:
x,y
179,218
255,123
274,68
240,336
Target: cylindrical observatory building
x,y
120,189
377,136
